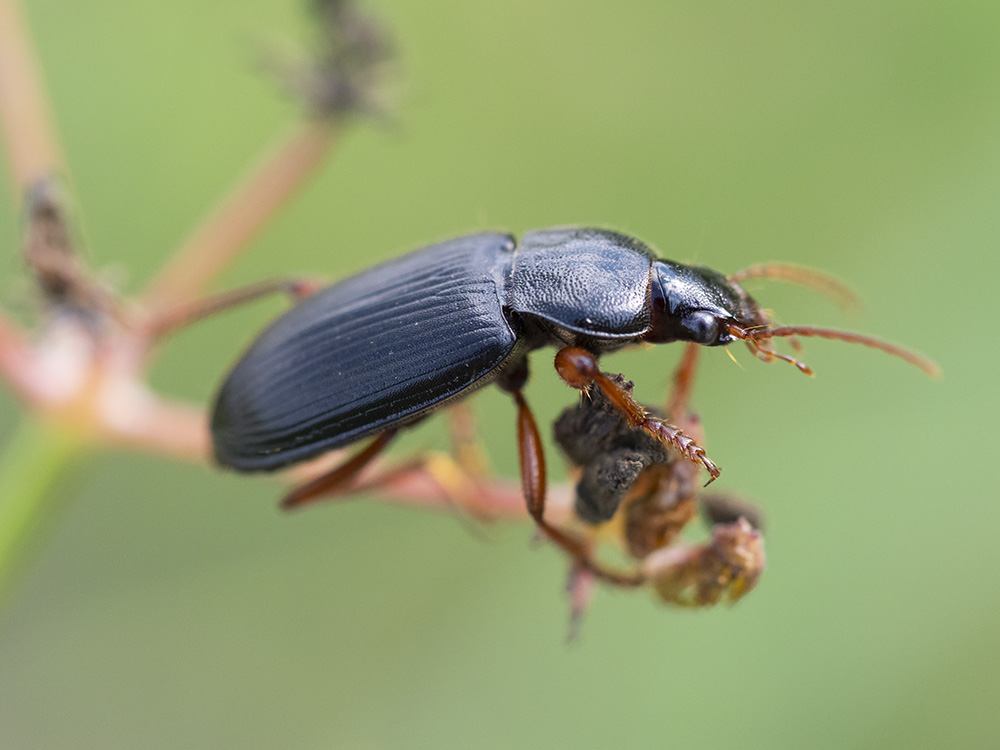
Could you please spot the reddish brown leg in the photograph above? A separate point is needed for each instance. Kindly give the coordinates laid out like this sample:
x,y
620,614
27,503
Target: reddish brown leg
x,y
532,460
578,368
337,478
677,406
179,316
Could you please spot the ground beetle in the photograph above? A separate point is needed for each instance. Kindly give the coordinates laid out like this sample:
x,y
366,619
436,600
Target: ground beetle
x,y
378,351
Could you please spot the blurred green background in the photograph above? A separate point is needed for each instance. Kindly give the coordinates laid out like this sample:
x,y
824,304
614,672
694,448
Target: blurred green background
x,y
174,606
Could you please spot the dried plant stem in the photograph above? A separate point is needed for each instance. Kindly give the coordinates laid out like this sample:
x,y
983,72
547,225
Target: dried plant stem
x,y
36,458
160,427
493,500
224,233
29,135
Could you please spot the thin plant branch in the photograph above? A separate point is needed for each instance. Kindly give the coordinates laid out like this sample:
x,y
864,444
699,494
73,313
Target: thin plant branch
x,y
494,499
224,234
29,134
143,422
183,314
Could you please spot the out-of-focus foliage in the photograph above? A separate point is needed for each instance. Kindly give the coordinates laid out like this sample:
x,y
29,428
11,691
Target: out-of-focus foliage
x,y
174,606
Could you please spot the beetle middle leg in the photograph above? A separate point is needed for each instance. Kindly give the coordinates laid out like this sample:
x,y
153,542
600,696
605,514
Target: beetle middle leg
x,y
578,368
533,480
677,405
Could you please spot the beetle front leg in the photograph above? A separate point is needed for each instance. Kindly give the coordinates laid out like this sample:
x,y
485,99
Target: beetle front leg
x,y
578,368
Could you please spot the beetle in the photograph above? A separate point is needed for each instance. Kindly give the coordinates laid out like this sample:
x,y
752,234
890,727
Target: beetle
x,y
377,352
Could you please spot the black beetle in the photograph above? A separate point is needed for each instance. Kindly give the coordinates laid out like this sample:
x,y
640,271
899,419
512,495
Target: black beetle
x,y
378,351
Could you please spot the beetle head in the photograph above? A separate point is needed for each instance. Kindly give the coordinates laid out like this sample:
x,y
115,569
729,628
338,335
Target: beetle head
x,y
691,303
702,306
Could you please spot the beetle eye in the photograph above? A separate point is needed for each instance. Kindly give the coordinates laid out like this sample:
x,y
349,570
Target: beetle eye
x,y
702,328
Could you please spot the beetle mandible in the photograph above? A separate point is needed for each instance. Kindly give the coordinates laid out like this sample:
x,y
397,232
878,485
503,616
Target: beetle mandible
x,y
378,351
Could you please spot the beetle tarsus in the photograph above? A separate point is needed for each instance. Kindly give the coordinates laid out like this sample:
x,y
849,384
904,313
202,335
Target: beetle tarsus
x,y
683,444
578,368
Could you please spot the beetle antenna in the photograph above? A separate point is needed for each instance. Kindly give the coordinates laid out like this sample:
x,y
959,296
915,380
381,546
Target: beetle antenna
x,y
915,359
769,355
845,297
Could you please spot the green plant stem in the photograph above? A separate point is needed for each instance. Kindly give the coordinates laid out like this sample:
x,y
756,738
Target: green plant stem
x,y
31,465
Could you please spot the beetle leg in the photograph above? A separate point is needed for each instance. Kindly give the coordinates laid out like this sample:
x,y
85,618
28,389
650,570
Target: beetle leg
x,y
532,461
335,479
677,405
164,322
578,368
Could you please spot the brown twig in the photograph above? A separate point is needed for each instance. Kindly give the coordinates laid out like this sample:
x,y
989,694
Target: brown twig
x,y
244,212
496,499
147,423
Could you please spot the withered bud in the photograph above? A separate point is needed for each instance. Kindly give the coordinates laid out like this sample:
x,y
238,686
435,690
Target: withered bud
x,y
343,72
718,508
67,286
724,569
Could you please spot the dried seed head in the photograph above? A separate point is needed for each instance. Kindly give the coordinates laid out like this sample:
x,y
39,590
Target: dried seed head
x,y
724,569
342,75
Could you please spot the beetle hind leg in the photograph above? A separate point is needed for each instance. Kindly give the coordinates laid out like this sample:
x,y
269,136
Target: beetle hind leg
x,y
339,477
578,368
